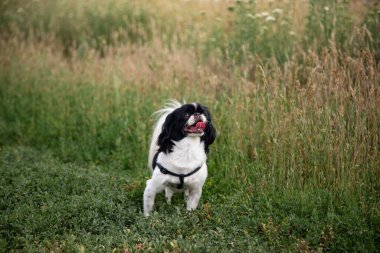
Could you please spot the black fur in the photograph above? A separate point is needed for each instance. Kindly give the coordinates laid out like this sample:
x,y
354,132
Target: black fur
x,y
173,127
210,132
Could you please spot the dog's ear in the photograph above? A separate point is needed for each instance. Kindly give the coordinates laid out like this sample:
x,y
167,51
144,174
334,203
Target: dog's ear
x,y
210,132
209,136
164,139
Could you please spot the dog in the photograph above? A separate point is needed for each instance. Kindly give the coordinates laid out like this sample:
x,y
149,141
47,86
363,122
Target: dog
x,y
178,153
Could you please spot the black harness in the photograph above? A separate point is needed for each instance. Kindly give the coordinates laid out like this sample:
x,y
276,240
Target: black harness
x,y
168,172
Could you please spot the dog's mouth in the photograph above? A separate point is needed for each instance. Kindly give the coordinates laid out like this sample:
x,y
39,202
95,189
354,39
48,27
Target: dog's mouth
x,y
196,128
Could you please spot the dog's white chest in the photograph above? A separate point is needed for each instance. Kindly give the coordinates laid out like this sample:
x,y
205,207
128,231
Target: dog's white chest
x,y
187,155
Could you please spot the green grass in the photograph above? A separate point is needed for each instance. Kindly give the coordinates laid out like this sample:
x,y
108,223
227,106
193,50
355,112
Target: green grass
x,y
79,26
295,166
55,206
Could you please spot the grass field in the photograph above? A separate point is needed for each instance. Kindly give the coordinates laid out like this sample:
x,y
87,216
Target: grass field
x,y
294,88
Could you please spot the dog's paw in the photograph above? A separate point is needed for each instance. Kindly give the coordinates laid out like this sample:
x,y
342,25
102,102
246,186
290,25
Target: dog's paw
x,y
191,208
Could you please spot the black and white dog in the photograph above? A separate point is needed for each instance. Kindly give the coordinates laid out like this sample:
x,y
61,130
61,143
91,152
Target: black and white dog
x,y
177,155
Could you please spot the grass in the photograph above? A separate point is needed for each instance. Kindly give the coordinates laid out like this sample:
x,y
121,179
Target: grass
x,y
48,205
78,25
296,163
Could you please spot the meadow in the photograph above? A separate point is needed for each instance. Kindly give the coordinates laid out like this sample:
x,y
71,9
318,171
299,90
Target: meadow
x,y
294,89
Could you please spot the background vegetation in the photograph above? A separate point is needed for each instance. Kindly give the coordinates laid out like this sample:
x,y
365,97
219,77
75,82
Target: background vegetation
x,y
294,90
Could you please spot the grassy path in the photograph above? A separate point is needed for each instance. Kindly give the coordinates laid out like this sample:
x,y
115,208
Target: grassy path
x,y
48,205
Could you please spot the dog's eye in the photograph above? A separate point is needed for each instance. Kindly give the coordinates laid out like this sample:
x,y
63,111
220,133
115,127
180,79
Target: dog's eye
x,y
187,116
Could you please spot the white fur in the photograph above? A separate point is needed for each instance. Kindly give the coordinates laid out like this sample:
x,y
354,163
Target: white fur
x,y
187,155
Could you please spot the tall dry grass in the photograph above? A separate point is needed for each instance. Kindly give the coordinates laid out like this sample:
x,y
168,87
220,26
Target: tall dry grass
x,y
310,119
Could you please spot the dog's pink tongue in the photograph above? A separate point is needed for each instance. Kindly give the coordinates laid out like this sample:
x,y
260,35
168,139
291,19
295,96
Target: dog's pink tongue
x,y
201,125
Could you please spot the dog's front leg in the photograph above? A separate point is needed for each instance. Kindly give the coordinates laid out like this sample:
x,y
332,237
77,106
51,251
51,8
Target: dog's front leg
x,y
193,198
151,189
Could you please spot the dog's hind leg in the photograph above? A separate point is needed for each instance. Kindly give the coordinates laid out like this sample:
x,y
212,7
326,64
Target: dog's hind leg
x,y
186,194
168,195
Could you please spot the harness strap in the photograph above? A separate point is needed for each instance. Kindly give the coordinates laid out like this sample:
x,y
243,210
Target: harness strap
x,y
168,172
180,176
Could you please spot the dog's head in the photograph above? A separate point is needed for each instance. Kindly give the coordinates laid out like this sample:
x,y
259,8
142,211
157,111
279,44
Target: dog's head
x,y
189,120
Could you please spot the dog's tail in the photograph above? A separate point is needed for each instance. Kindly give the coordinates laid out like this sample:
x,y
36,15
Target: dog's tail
x,y
161,115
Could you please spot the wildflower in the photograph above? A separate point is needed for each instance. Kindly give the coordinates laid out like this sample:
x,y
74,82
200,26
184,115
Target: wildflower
x,y
277,11
270,18
264,14
326,8
249,15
